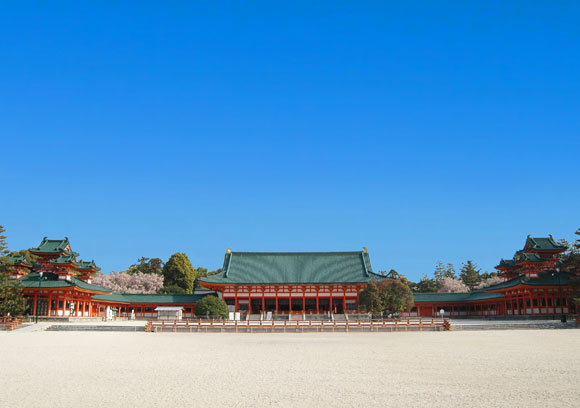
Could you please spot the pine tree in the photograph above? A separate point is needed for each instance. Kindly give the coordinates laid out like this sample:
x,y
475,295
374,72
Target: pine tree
x,y
178,271
11,300
439,273
450,271
470,275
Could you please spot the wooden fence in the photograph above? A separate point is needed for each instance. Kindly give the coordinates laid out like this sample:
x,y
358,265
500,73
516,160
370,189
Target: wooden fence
x,y
300,326
9,323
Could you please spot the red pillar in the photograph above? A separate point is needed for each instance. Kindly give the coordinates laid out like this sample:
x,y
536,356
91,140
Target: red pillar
x,y
236,308
317,309
49,302
263,300
35,303
303,299
330,302
276,289
289,300
249,300
343,300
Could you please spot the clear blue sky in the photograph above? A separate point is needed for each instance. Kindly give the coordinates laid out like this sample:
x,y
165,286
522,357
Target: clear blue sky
x,y
425,131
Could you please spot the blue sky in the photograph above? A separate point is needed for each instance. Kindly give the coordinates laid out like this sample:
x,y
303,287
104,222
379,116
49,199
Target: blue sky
x,y
425,131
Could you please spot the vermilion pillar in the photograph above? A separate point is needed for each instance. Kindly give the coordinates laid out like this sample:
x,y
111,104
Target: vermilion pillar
x,y
263,300
330,302
317,294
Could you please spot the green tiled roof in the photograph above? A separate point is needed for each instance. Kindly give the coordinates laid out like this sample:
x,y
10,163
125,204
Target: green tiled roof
x,y
545,279
543,244
506,263
65,259
136,298
50,280
52,246
88,265
454,297
294,268
530,257
18,259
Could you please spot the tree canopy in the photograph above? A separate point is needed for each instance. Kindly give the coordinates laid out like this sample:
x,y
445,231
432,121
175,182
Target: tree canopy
x,y
147,266
11,300
450,285
211,306
470,275
388,295
178,271
138,282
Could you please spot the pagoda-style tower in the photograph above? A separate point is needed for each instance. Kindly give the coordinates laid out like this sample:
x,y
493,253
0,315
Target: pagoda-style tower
x,y
538,255
55,256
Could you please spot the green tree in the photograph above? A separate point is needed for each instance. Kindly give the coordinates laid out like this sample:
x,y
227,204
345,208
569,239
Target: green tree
x,y
426,284
395,295
470,275
147,265
370,298
439,273
178,271
11,300
211,306
450,271
172,290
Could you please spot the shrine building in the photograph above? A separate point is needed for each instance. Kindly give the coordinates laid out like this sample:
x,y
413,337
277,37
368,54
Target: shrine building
x,y
533,285
292,282
59,284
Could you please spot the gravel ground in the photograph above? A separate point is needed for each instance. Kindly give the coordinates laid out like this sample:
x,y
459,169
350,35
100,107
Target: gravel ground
x,y
533,368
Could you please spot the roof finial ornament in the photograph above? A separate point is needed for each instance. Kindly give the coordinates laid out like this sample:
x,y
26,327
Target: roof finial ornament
x,y
228,251
365,250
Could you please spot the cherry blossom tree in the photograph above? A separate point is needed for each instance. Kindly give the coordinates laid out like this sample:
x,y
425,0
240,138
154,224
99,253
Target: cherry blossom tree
x,y
450,285
494,280
123,282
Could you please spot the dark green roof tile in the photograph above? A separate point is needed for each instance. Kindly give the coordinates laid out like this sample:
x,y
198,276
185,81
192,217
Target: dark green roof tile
x,y
19,259
548,278
543,244
52,246
294,268
50,280
88,265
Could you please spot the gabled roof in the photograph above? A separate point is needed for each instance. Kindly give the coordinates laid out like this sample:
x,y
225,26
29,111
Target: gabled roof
x,y
88,265
530,257
153,298
19,259
542,244
50,280
506,263
294,268
65,260
53,246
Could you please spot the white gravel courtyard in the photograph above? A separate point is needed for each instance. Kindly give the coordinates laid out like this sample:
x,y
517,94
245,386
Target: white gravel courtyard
x,y
510,368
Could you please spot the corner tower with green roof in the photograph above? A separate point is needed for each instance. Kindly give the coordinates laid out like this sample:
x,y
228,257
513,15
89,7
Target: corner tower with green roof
x,y
292,282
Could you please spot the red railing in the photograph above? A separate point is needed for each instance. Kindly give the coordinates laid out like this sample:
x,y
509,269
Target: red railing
x,y
10,323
